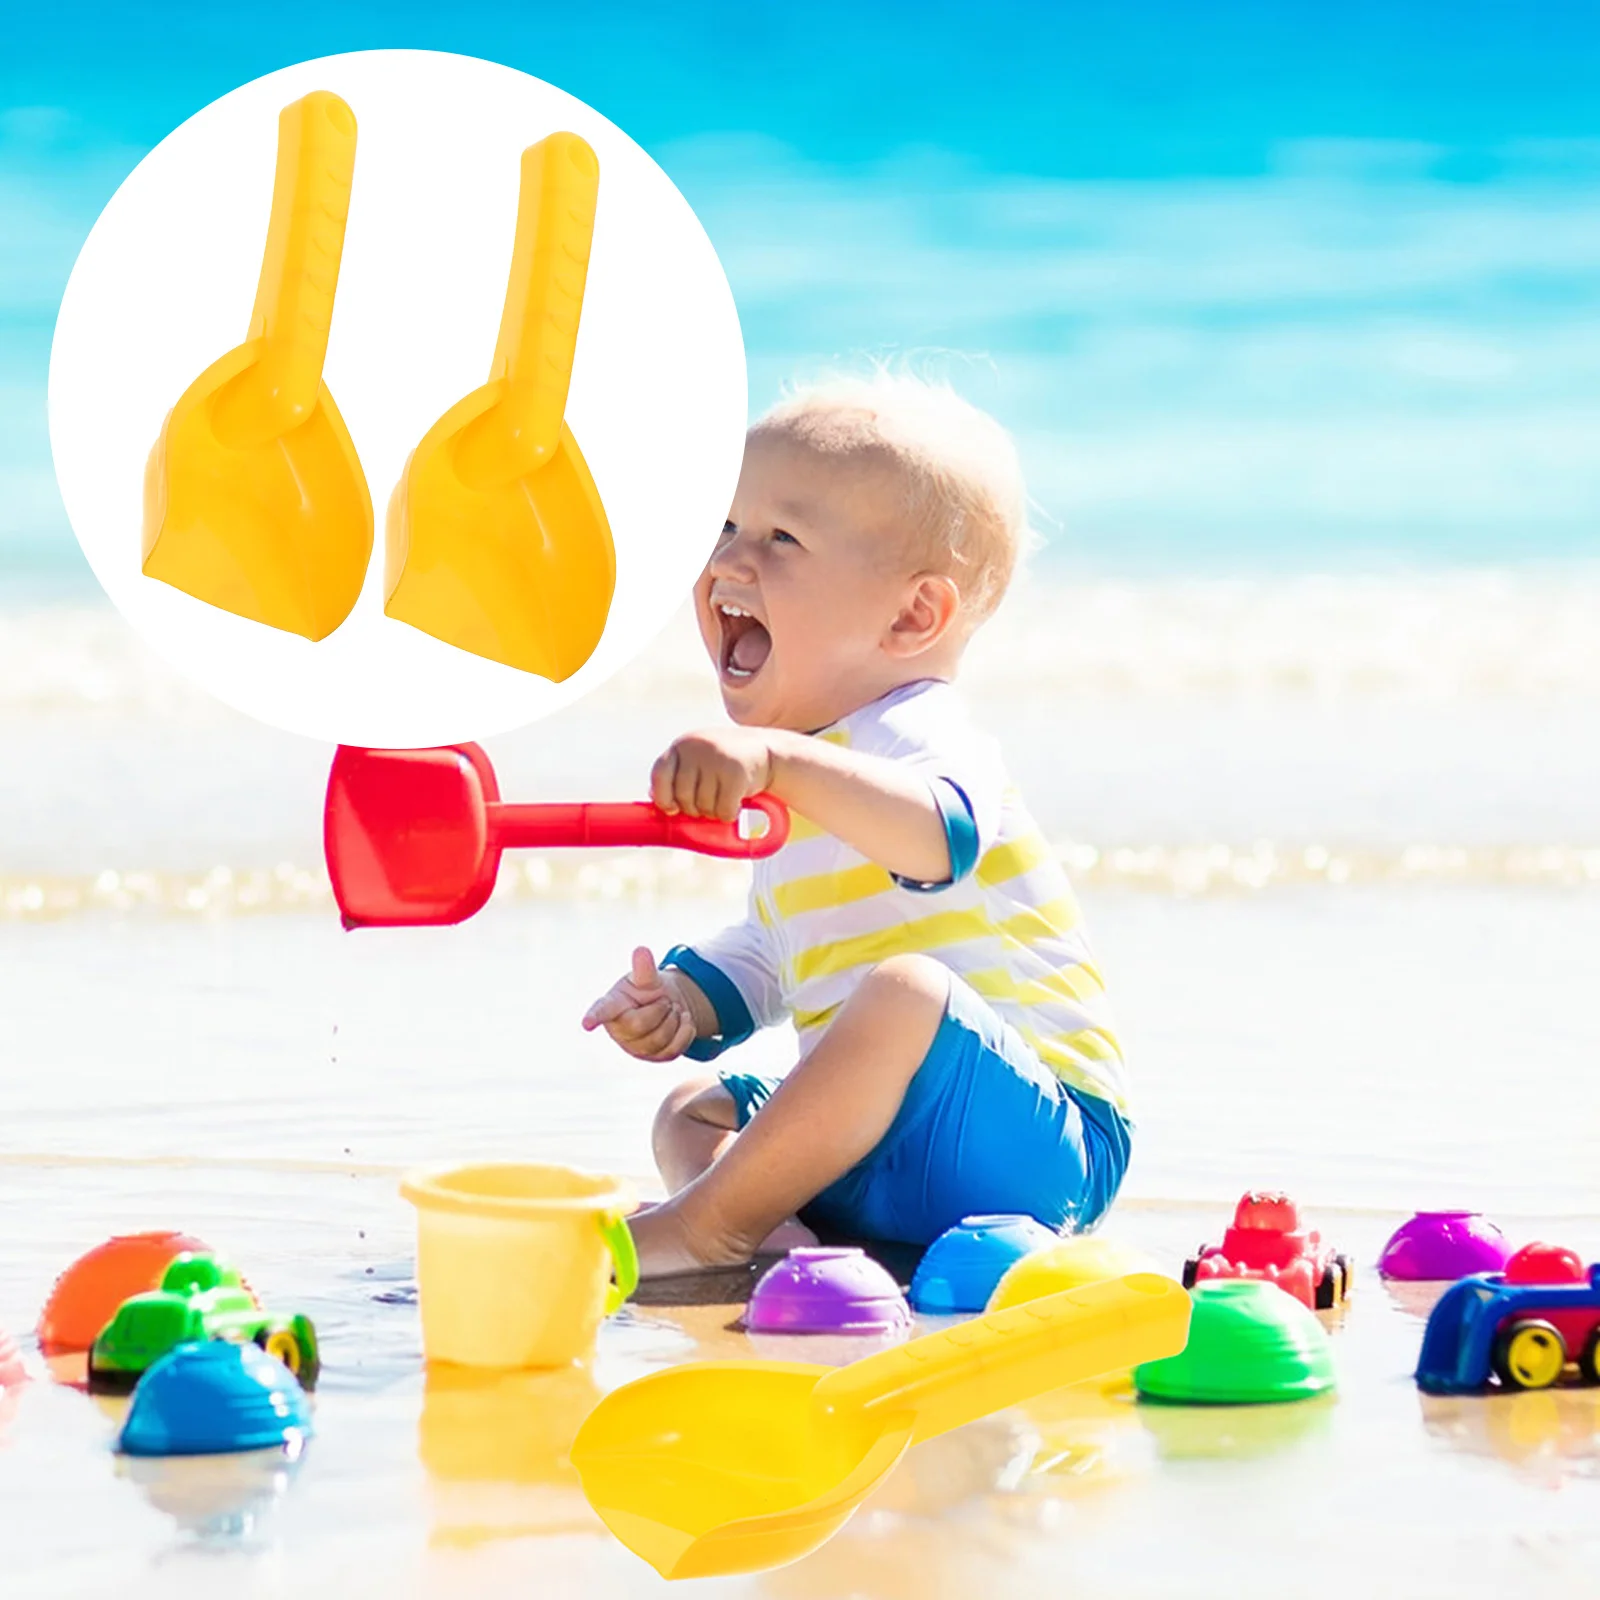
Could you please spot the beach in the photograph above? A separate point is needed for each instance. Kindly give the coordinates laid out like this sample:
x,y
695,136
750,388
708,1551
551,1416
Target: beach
x,y
1336,841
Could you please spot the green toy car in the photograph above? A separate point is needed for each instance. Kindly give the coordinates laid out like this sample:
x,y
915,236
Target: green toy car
x,y
201,1297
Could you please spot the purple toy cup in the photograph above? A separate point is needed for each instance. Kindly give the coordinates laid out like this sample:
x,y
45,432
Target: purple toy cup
x,y
816,1289
1441,1246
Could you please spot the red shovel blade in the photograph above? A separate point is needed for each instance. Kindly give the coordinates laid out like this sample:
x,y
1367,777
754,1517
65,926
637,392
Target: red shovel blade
x,y
413,837
406,835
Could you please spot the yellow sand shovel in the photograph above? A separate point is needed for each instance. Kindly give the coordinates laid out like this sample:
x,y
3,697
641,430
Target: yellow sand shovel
x,y
497,540
254,499
735,1466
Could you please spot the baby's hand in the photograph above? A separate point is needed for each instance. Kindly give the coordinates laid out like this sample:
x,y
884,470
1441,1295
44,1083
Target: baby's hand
x,y
644,1013
709,774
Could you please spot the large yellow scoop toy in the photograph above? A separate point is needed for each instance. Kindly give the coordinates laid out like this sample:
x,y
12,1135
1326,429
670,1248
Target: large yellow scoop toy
x,y
736,1466
497,540
254,499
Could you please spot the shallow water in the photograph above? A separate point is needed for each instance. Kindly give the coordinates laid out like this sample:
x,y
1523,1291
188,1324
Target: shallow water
x,y
259,1080
423,1483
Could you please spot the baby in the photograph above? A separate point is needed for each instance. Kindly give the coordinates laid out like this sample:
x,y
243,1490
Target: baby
x,y
956,1054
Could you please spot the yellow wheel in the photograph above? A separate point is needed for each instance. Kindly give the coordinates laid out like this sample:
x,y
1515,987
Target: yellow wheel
x,y
1529,1355
283,1344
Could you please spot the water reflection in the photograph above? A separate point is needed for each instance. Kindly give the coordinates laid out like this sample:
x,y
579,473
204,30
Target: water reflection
x,y
954,1519
495,1446
1413,1299
1233,1433
1088,1437
220,1500
925,1533
1549,1436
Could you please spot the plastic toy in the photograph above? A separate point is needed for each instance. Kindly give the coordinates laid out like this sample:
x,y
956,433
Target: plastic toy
x,y
1066,1264
960,1269
200,1298
413,837
215,1398
1439,1246
1522,1327
497,540
254,498
1266,1241
1248,1345
827,1290
514,1261
87,1294
735,1466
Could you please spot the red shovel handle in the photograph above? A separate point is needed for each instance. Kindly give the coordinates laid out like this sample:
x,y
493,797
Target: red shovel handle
x,y
607,825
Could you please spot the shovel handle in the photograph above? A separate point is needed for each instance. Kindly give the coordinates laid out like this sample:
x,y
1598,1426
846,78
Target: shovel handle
x,y
611,825
1006,1357
299,270
539,326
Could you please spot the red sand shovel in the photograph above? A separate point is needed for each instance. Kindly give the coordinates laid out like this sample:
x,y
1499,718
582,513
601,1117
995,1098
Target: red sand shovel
x,y
413,837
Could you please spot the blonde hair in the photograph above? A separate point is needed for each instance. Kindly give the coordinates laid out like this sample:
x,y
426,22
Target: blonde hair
x,y
966,504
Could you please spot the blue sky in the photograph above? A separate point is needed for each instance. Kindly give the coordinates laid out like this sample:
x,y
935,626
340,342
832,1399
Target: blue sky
x,y
1254,284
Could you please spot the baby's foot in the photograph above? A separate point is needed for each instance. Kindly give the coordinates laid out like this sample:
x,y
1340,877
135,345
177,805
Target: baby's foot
x,y
668,1247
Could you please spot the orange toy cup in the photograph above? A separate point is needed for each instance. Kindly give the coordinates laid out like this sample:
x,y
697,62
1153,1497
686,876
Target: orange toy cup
x,y
87,1294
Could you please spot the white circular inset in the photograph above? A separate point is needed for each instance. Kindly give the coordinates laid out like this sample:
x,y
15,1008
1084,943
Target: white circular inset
x,y
164,286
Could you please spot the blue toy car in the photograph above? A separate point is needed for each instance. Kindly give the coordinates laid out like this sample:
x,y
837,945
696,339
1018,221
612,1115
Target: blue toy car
x,y
1525,1327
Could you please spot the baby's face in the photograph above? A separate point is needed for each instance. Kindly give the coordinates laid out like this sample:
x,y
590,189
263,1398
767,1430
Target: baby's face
x,y
797,603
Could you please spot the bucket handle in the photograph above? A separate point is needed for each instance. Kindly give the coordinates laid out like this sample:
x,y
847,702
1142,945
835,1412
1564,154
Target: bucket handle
x,y
624,1259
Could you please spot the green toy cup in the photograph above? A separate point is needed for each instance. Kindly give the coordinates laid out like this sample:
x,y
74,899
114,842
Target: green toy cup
x,y
1249,1344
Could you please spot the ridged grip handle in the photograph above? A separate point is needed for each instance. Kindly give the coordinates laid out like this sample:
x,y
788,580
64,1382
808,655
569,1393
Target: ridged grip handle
x,y
299,270
1006,1357
539,326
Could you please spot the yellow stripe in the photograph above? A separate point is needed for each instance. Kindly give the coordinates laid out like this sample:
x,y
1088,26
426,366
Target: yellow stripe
x,y
1077,983
1049,921
1005,861
804,1020
926,933
1091,1044
763,913
825,889
1064,1055
838,736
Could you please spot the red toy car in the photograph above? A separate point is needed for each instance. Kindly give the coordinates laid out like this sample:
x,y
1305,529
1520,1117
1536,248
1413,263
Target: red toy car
x,y
1266,1241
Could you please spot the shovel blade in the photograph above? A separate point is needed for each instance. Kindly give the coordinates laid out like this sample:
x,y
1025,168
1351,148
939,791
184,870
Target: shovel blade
x,y
721,1467
278,531
520,572
406,835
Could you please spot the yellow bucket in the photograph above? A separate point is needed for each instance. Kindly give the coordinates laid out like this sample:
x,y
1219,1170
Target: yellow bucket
x,y
515,1261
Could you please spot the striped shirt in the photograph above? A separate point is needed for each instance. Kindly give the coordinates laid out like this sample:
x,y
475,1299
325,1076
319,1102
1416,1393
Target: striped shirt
x,y
822,915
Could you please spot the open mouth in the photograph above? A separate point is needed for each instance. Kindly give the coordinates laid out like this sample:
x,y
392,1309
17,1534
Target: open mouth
x,y
746,644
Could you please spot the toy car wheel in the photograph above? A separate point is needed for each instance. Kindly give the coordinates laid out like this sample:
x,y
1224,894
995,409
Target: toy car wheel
x,y
1189,1267
110,1380
282,1344
1529,1354
1589,1361
1328,1287
1347,1276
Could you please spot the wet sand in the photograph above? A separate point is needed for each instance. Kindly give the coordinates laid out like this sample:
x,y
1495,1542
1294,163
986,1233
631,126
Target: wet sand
x,y
436,1483
260,1080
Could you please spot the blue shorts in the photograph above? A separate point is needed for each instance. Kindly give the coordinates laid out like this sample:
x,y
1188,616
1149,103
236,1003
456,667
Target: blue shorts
x,y
985,1126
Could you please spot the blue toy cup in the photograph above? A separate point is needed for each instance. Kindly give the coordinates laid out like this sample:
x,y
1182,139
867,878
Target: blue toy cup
x,y
962,1266
213,1399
